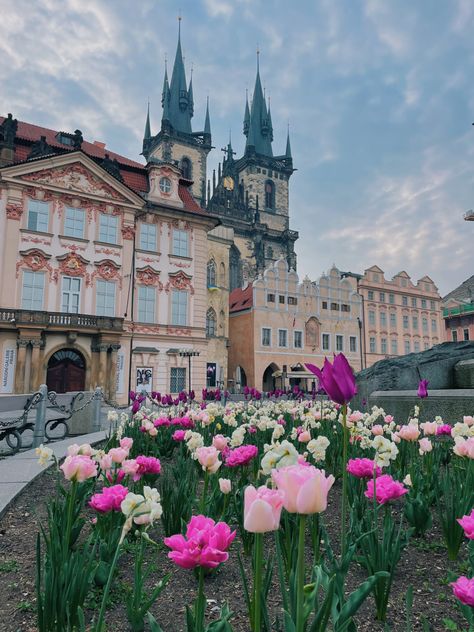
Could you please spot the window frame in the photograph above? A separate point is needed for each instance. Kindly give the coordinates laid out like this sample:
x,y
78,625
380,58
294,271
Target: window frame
x,y
105,310
177,318
339,338
300,332
107,223
77,213
143,302
328,337
282,331
262,336
144,230
35,304
177,240
43,205
179,378
71,294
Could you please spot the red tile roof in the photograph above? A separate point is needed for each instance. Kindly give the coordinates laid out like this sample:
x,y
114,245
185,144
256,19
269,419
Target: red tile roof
x,y
240,299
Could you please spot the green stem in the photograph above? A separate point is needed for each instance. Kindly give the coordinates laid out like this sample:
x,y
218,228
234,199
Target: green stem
x,y
199,606
300,577
257,582
202,504
316,539
345,448
70,516
98,626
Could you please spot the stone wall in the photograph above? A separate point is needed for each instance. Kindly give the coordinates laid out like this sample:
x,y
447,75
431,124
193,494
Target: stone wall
x,y
450,404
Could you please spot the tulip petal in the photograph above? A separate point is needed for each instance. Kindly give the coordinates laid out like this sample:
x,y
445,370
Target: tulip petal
x,y
259,517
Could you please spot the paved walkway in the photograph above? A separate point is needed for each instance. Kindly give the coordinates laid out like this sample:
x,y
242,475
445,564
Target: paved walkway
x,y
18,471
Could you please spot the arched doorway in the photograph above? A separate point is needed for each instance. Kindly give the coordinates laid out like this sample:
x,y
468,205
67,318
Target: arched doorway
x,y
66,371
240,377
268,381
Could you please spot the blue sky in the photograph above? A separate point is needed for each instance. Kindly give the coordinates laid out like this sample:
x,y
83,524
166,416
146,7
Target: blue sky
x,y
378,93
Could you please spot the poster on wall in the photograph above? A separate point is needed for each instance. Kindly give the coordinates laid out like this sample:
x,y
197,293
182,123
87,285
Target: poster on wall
x,y
144,379
8,368
211,378
120,372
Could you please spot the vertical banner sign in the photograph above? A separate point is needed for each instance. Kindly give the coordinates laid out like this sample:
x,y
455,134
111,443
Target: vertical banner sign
x,y
120,372
8,369
144,379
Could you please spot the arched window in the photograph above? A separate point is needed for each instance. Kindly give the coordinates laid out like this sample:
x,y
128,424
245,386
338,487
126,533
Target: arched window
x,y
210,323
186,168
270,195
211,273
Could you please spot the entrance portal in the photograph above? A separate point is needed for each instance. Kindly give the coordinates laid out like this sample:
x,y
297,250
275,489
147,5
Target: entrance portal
x,y
66,371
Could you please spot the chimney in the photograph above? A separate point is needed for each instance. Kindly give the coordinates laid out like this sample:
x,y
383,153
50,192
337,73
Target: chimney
x,y
97,143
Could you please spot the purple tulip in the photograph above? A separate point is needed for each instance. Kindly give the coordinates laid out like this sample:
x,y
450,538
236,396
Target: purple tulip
x,y
337,379
136,406
132,395
192,395
423,389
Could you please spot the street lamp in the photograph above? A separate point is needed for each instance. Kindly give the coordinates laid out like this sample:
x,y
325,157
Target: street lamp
x,y
188,354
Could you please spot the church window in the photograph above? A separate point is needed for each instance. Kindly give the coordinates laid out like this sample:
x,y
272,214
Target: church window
x,y
270,298
186,168
211,274
210,323
165,185
269,195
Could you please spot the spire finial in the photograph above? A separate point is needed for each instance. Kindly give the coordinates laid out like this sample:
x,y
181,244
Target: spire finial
x,y
179,23
258,58
166,62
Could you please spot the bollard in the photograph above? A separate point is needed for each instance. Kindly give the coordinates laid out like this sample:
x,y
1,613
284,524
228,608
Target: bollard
x,y
96,409
38,433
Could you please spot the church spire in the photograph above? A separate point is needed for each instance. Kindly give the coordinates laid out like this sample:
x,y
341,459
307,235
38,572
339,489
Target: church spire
x,y
247,114
180,97
147,134
260,132
288,146
207,122
190,95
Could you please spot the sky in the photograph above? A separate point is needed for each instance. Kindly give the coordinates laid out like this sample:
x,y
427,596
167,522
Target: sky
x,y
378,95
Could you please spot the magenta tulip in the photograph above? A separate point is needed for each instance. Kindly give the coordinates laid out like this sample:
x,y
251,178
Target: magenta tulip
x,y
337,379
467,523
463,589
363,468
386,489
423,389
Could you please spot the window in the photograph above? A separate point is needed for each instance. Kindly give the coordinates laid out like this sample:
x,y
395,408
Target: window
x,y
210,323
105,298
413,302
270,298
38,216
108,228
372,345
394,347
148,236
432,305
371,317
74,222
292,300
417,346
345,307
179,307
281,299
424,325
370,295
269,195
391,299
383,345
454,335
266,337
180,243
352,344
177,379
405,301
282,337
407,346
335,307
71,295
382,297
146,304
433,325
405,322
414,322
165,185
393,319
423,303
186,169
325,304
383,319
466,334
211,274
325,342
339,342
33,290
298,339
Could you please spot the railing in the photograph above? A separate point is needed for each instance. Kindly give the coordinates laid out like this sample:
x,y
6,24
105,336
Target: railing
x,y
60,319
458,311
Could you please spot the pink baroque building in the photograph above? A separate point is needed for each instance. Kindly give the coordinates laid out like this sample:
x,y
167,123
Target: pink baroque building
x,y
399,316
458,312
277,324
103,268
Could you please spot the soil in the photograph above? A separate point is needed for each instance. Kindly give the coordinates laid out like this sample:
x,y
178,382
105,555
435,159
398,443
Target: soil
x,y
424,565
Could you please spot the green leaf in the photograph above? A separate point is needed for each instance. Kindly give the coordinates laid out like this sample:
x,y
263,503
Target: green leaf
x,y
288,621
359,595
190,619
153,623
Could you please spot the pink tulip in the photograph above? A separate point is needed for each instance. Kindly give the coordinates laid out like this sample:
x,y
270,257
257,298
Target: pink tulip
x,y
465,447
467,523
241,455
363,468
305,487
130,468
445,429
386,489
463,589
468,420
429,428
377,430
409,432
220,442
126,443
106,462
225,485
79,468
178,435
425,445
388,419
304,436
147,465
118,455
262,509
109,499
208,458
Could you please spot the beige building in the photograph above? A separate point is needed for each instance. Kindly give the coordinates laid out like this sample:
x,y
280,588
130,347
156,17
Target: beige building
x,y
399,316
277,324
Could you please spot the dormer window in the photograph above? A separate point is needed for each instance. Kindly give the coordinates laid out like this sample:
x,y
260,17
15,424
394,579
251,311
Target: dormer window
x,y
165,185
269,195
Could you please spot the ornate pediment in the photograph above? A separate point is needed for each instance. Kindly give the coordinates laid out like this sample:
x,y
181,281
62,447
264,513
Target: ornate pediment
x,y
74,177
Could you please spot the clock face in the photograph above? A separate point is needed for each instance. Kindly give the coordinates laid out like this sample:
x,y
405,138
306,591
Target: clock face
x,y
228,183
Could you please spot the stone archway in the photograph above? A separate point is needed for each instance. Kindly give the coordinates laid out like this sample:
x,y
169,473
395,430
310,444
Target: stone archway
x,y
268,380
66,371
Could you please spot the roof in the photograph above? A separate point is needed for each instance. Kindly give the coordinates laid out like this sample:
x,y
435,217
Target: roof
x,y
464,292
240,299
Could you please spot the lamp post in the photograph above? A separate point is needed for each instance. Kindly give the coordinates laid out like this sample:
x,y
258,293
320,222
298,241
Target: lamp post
x,y
188,353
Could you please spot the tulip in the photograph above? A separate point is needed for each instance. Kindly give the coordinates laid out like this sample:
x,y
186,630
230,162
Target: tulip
x,y
429,428
386,489
78,468
118,454
262,509
463,589
220,442
208,458
305,487
225,485
337,379
126,443
409,432
423,389
241,455
363,468
304,436
467,523
109,499
425,446
377,430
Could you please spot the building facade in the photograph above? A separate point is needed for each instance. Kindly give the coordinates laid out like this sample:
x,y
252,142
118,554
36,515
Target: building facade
x,y
277,324
399,316
458,312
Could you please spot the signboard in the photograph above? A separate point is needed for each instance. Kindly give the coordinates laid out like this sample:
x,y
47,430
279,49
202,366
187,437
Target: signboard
x,y
211,374
8,368
120,386
144,379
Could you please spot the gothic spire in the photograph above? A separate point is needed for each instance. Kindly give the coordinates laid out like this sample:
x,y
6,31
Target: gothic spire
x,y
180,104
288,146
190,95
269,120
247,114
207,122
147,134
260,126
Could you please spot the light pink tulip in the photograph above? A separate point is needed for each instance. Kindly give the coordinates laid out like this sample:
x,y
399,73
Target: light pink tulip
x,y
377,430
468,420
79,468
304,436
425,445
225,485
409,432
388,419
220,442
465,447
208,458
106,462
262,509
305,487
429,427
118,455
126,443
